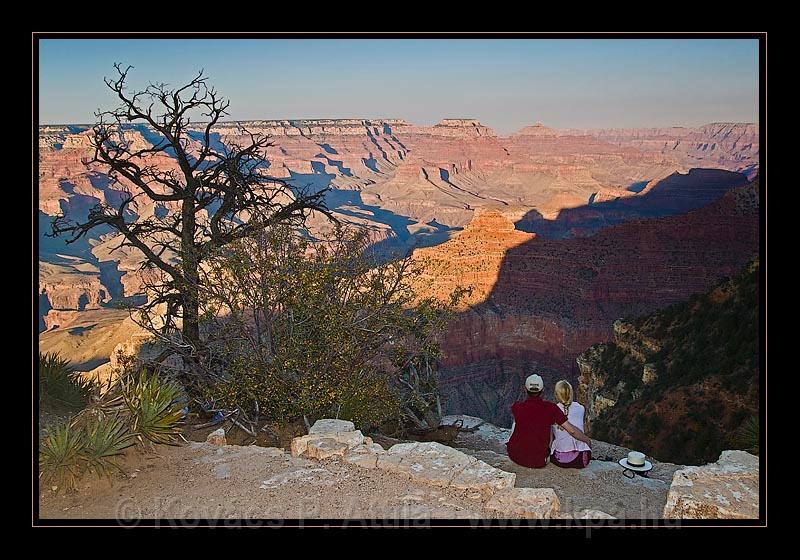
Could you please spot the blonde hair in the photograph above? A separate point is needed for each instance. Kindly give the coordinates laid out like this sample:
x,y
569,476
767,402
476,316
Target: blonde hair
x,y
564,394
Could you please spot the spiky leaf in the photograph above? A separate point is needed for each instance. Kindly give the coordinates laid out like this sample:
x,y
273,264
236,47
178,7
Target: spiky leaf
x,y
61,456
747,436
59,386
155,407
106,438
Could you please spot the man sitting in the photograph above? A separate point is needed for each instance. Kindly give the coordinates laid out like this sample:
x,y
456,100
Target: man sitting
x,y
529,444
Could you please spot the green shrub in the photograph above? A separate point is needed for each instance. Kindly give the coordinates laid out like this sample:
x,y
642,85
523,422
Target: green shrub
x,y
105,438
746,436
322,331
60,388
82,445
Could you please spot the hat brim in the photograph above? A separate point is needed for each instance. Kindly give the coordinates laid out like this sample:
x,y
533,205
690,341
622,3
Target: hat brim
x,y
646,467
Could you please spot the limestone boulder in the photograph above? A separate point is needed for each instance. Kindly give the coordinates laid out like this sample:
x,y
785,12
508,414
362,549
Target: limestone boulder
x,y
527,503
440,465
340,431
727,489
428,462
483,477
365,455
325,448
331,426
350,440
585,514
592,514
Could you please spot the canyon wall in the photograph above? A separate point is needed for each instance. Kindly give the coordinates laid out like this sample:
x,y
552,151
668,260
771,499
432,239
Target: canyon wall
x,y
727,145
550,299
418,186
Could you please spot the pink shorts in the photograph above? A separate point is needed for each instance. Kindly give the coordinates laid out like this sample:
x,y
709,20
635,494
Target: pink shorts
x,y
571,459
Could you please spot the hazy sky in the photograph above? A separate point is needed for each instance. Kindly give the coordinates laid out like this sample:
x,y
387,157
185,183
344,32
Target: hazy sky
x,y
507,84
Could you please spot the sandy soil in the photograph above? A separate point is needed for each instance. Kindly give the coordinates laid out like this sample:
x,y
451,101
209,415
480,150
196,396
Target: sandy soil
x,y
203,481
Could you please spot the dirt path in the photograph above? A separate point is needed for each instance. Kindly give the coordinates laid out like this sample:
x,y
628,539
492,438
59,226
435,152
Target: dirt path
x,y
207,482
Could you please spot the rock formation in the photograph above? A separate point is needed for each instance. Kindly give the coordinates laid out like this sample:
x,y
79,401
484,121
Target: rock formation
x,y
728,145
409,481
430,463
528,503
727,489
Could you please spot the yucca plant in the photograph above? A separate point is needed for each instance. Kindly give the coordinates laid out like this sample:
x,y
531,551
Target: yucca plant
x,y
61,456
155,407
105,438
108,400
143,407
59,386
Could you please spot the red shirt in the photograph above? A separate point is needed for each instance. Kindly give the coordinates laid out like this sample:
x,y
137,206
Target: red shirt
x,y
529,445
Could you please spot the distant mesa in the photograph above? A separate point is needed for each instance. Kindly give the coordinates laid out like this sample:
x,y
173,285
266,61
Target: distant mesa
x,y
459,122
458,128
537,129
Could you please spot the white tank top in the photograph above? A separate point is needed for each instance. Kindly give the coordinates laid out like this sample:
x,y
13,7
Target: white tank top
x,y
562,441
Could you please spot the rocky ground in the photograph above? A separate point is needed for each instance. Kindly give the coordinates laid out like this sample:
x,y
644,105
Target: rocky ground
x,y
600,486
202,480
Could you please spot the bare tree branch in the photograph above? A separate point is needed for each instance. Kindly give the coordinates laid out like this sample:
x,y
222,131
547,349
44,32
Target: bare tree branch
x,y
223,193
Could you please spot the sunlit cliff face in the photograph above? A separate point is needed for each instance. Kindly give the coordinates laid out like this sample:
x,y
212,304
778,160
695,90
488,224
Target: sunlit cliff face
x,y
471,259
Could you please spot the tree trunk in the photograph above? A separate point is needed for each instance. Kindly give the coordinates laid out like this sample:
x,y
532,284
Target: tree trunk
x,y
191,277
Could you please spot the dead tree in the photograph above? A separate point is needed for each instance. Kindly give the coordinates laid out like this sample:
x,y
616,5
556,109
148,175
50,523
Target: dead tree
x,y
219,194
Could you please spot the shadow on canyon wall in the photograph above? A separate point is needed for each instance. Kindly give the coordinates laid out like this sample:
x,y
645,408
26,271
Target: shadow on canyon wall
x,y
556,295
676,194
394,241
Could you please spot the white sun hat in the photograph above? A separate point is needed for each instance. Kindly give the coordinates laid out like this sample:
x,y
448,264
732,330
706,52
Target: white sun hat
x,y
635,461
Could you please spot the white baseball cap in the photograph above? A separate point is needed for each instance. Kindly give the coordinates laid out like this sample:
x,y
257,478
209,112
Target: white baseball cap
x,y
534,383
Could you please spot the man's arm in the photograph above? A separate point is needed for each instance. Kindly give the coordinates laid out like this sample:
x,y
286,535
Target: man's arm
x,y
576,433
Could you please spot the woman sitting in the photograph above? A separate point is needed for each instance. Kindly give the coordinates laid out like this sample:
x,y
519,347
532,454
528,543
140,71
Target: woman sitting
x,y
565,450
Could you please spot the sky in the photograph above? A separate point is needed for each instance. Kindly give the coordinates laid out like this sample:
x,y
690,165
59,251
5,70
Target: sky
x,y
506,84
